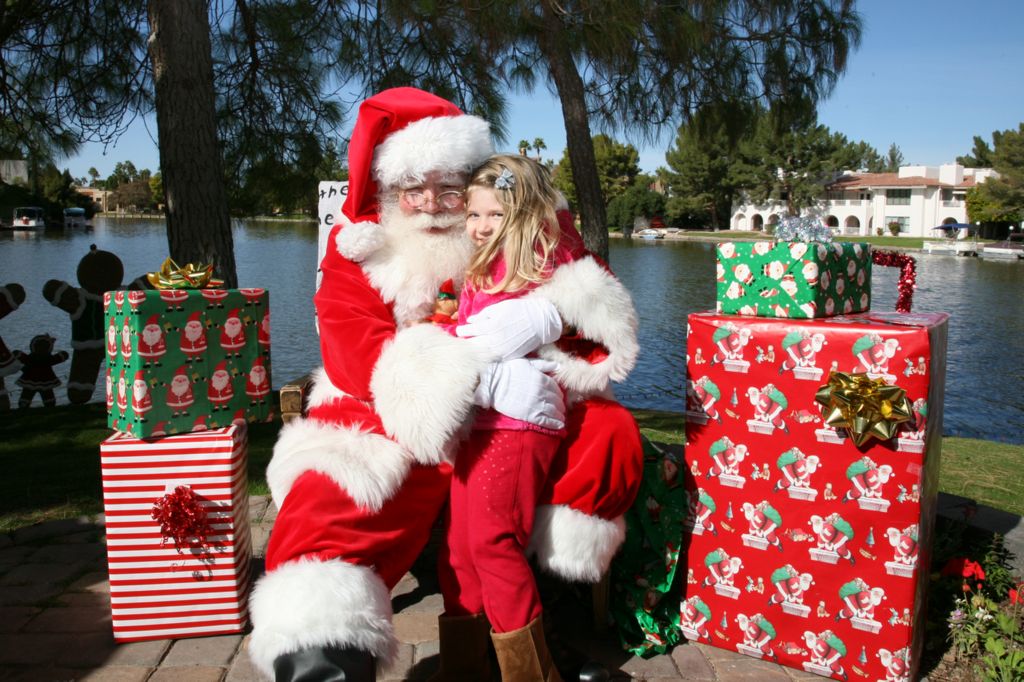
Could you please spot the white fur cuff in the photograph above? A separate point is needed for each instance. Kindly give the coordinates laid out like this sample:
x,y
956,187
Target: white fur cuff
x,y
356,241
369,467
593,301
306,604
573,545
423,388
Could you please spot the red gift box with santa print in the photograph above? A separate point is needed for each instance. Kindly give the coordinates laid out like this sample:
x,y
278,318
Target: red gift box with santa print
x,y
181,360
805,548
162,585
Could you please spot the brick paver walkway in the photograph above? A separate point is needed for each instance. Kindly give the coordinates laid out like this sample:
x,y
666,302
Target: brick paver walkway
x,y
55,624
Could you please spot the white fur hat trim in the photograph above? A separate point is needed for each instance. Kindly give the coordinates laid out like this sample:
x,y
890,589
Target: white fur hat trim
x,y
450,144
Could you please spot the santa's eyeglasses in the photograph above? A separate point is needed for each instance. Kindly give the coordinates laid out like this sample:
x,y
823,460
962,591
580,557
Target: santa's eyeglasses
x,y
418,198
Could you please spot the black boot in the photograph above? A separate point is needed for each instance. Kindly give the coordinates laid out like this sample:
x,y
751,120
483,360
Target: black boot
x,y
326,664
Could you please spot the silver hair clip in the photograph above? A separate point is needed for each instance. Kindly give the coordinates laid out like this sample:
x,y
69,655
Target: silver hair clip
x,y
506,180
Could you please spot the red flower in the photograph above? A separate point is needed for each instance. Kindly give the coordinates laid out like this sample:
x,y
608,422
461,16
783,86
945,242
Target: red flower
x,y
1017,594
964,568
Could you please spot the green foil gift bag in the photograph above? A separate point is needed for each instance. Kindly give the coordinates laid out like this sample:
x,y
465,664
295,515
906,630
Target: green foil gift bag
x,y
796,279
188,357
645,584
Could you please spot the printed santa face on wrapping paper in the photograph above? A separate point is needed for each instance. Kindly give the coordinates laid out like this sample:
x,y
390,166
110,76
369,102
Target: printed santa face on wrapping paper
x,y
193,337
694,616
219,389
112,341
151,341
263,337
126,342
257,385
122,393
758,633
141,402
232,336
110,391
179,392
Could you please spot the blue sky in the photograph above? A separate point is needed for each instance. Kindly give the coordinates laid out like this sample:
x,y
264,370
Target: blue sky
x,y
929,75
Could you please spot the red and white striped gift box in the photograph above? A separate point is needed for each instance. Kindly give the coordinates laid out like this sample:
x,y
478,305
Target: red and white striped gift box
x,y
157,592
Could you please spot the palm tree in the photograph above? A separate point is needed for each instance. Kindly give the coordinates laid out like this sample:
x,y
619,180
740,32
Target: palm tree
x,y
538,145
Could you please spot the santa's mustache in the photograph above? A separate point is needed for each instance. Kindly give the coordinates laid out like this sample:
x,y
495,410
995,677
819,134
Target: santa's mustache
x,y
392,215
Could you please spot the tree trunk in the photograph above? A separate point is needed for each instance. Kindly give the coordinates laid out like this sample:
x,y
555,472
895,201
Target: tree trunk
x,y
198,223
577,131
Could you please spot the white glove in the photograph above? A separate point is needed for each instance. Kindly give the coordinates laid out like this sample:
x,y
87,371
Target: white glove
x,y
510,329
520,389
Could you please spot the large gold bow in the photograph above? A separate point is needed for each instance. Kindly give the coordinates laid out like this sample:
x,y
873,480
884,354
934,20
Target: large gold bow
x,y
867,408
192,276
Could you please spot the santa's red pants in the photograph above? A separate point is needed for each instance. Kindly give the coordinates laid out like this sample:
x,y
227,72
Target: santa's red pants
x,y
499,477
320,521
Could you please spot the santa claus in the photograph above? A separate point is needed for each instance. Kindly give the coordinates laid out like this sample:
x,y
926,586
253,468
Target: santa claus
x,y
193,338
263,336
141,401
179,393
151,341
218,387
122,393
257,384
232,335
360,480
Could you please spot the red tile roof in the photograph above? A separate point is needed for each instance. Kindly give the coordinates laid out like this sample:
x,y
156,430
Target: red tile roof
x,y
875,180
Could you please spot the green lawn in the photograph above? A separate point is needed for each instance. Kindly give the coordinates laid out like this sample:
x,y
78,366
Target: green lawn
x,y
50,463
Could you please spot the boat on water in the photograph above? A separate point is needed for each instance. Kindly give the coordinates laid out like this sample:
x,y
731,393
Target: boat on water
x,y
957,239
1011,248
74,217
649,234
28,218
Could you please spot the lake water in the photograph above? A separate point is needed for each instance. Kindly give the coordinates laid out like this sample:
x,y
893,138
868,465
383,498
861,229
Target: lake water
x,y
668,280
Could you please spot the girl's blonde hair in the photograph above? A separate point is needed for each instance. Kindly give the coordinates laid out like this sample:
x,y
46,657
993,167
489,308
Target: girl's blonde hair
x,y
529,230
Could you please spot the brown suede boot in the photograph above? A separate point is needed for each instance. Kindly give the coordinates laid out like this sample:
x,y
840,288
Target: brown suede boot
x,y
523,655
464,644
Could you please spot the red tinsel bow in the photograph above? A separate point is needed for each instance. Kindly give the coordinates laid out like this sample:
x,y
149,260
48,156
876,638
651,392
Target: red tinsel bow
x,y
908,275
182,518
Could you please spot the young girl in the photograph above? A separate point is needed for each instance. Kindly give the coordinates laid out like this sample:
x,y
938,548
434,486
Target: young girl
x,y
501,472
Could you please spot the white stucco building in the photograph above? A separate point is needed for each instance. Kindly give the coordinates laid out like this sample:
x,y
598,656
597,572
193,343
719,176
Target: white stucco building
x,y
917,197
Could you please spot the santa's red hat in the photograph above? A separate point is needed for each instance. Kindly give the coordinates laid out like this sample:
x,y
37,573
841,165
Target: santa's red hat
x,y
182,372
402,134
222,366
140,376
194,317
154,320
232,313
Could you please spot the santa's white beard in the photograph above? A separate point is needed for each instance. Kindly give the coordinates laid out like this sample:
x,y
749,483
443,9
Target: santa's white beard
x,y
193,331
420,252
219,380
151,336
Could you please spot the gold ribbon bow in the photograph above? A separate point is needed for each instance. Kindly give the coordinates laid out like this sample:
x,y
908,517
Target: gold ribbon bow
x,y
867,408
192,276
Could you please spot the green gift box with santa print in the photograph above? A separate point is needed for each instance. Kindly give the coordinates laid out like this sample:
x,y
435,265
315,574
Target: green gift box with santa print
x,y
793,279
181,360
